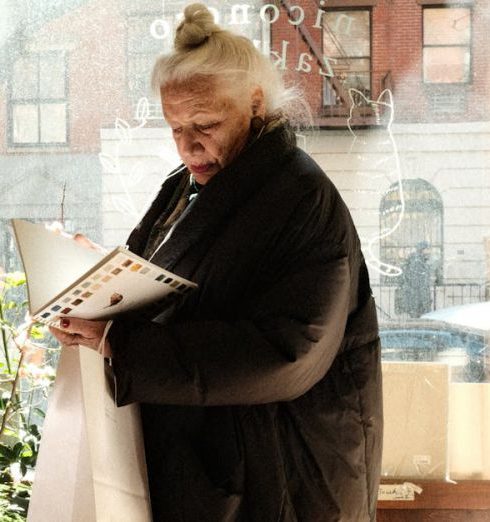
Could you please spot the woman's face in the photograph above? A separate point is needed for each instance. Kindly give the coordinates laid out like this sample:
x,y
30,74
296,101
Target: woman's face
x,y
208,126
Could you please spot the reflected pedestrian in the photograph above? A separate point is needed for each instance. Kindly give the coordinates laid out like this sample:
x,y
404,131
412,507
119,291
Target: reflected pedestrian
x,y
415,298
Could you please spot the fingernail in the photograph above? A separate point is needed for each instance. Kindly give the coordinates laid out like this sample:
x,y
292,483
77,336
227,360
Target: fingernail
x,y
64,322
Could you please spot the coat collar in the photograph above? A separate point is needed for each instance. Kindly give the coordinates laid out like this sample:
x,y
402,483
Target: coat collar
x,y
257,164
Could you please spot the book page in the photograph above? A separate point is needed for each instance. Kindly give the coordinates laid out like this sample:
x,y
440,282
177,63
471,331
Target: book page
x,y
122,281
64,281
51,261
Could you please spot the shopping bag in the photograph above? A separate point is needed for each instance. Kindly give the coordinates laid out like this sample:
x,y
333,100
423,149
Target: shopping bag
x,y
91,464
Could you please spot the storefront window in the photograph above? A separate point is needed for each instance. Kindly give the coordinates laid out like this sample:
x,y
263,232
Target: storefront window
x,y
398,94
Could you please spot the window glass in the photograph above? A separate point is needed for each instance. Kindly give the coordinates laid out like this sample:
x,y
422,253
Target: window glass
x,y
447,26
38,78
52,122
347,44
146,39
398,97
447,49
446,64
52,76
25,123
346,33
25,78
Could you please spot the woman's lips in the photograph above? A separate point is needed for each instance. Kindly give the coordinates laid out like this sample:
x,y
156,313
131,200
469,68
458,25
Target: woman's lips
x,y
201,169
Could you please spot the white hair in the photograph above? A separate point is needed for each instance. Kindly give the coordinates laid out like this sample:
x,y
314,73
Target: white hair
x,y
204,49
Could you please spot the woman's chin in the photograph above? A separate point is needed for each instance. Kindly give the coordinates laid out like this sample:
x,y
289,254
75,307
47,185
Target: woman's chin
x,y
203,175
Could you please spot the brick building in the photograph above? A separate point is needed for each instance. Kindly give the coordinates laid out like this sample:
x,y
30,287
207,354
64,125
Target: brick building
x,y
412,165
62,65
78,116
432,54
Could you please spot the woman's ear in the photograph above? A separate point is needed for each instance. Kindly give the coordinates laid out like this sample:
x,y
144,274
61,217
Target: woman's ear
x,y
258,102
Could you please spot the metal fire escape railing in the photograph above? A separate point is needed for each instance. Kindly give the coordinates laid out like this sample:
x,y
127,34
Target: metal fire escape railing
x,y
336,115
318,55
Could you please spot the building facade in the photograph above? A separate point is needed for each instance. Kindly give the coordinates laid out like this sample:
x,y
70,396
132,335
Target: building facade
x,y
397,90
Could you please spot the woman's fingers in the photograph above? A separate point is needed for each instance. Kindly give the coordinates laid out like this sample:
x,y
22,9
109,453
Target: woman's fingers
x,y
65,338
87,243
73,331
81,239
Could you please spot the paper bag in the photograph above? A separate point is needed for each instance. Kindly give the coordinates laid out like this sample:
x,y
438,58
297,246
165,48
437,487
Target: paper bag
x,y
91,464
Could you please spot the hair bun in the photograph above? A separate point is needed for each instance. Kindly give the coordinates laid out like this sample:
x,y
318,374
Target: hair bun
x,y
196,27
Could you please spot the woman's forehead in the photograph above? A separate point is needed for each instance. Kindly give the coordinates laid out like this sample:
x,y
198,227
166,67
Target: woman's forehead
x,y
196,87
196,97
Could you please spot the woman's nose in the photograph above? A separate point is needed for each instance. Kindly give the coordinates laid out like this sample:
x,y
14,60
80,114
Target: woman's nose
x,y
189,142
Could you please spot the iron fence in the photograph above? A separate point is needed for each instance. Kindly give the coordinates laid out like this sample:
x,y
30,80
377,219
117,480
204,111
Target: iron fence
x,y
442,296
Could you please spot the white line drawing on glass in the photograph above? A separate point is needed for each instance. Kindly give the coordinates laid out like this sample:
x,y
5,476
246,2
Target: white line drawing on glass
x,y
111,163
383,106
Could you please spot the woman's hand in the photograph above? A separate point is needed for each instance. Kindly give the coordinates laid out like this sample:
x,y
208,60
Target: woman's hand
x,y
82,240
87,243
73,332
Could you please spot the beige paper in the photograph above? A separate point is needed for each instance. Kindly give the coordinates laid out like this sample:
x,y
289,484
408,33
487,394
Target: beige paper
x,y
91,465
469,431
415,443
65,279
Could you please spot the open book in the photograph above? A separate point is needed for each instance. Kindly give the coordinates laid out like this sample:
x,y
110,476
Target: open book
x,y
67,279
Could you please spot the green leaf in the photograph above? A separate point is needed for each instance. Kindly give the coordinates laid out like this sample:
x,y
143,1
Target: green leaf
x,y
38,332
18,449
6,452
15,279
26,451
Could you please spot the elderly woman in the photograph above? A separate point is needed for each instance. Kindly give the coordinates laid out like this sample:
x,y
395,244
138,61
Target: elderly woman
x,y
260,392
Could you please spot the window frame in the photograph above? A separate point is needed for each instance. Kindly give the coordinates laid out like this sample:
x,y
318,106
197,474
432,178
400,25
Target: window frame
x,y
352,7
468,46
39,102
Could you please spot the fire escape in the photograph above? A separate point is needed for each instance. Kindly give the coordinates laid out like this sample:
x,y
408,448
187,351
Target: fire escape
x,y
338,104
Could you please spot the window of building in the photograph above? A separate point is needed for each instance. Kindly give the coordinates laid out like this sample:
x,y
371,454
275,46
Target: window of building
x,y
421,223
447,44
347,44
38,100
147,37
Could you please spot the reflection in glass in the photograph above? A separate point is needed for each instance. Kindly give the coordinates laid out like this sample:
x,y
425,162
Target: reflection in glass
x,y
447,45
52,75
53,122
422,222
25,123
24,78
37,79
347,41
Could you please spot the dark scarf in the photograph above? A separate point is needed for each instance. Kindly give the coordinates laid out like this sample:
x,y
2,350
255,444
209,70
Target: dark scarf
x,y
258,162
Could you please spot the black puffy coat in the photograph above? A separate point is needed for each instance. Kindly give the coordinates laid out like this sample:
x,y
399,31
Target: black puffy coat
x,y
261,393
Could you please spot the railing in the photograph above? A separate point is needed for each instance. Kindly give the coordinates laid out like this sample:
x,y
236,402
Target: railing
x,y
336,110
442,296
